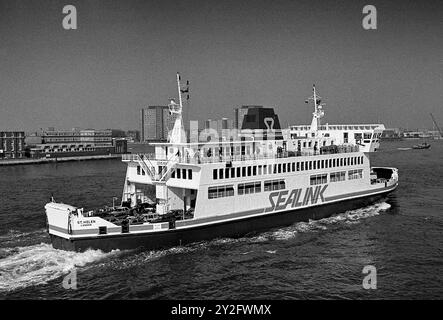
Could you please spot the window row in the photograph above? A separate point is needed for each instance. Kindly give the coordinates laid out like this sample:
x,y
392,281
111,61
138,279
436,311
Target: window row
x,y
257,170
220,192
182,174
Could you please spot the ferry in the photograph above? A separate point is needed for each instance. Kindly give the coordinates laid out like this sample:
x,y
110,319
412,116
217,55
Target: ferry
x,y
232,186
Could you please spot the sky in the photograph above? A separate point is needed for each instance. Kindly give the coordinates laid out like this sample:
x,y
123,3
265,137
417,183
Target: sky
x,y
124,55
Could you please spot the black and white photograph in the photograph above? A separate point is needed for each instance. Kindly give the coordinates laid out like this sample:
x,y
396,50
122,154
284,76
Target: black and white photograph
x,y
206,151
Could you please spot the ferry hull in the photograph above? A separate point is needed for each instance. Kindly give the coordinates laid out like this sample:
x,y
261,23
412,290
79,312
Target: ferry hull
x,y
226,229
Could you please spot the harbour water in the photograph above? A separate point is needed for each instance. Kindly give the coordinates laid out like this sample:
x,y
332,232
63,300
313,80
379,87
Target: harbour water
x,y
402,236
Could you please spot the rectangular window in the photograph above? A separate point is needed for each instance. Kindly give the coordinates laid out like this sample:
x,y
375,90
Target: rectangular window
x,y
241,189
232,172
284,167
249,188
227,171
315,165
270,185
293,167
238,172
338,176
179,175
249,171
265,169
279,168
275,185
214,174
310,165
220,192
260,170
138,170
173,173
190,174
184,173
243,171
318,179
355,174
254,170
220,173
302,166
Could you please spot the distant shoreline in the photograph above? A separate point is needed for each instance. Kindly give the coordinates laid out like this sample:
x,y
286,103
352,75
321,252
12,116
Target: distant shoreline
x,y
15,162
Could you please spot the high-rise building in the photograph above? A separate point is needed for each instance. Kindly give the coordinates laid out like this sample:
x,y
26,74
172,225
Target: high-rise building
x,y
239,114
155,123
12,144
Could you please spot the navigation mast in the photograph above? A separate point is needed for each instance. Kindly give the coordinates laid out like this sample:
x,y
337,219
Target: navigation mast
x,y
178,134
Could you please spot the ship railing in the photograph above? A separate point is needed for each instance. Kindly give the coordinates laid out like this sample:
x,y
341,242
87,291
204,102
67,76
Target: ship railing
x,y
199,158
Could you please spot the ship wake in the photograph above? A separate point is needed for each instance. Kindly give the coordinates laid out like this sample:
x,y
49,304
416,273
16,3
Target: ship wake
x,y
347,218
38,264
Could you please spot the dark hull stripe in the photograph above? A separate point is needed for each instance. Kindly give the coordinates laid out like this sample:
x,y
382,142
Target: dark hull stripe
x,y
230,229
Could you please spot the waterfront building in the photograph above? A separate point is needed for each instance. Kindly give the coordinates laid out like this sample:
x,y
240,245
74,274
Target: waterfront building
x,y
75,142
12,144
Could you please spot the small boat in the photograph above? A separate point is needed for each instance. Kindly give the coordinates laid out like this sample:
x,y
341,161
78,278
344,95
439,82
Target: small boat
x,y
423,145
